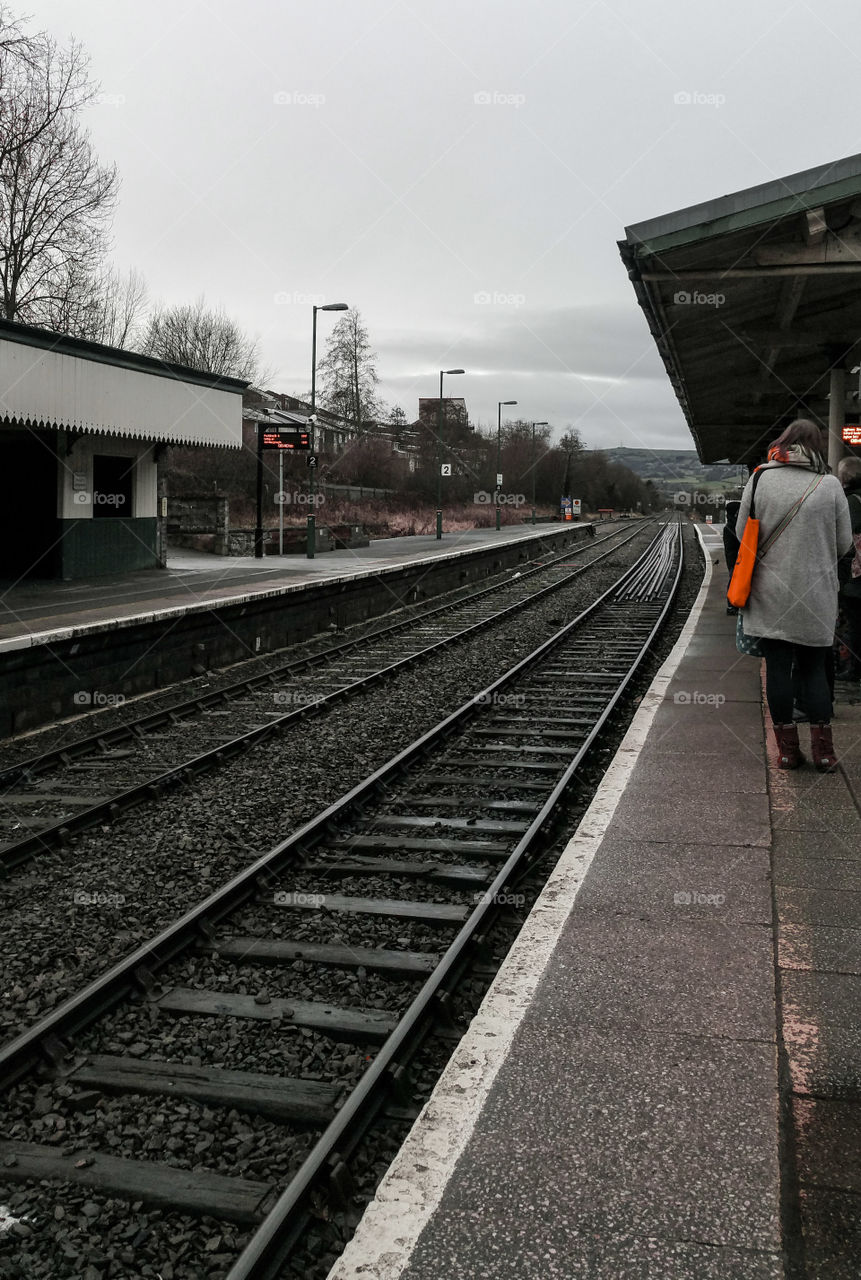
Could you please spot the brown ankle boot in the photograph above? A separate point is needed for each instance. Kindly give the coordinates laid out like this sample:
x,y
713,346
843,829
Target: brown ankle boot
x,y
788,754
822,748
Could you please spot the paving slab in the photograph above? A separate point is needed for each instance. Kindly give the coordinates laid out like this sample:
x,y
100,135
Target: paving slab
x,y
681,882
828,1141
831,1228
632,1119
822,1033
730,818
831,907
828,950
698,976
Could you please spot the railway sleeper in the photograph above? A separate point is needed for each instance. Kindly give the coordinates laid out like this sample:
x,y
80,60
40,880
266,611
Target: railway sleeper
x,y
280,1098
199,1193
359,1025
253,950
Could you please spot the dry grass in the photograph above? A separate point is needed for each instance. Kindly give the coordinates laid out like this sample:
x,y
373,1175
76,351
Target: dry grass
x,y
388,518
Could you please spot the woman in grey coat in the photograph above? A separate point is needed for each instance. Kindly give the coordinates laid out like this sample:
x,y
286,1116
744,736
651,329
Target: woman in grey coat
x,y
793,595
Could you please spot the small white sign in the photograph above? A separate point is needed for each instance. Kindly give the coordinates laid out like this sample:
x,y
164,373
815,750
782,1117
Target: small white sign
x,y
575,505
445,469
499,479
79,481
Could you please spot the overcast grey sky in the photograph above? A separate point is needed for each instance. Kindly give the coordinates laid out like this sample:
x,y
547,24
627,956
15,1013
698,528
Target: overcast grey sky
x,y
459,171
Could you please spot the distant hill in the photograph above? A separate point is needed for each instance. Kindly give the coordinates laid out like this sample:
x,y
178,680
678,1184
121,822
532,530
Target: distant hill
x,y
670,468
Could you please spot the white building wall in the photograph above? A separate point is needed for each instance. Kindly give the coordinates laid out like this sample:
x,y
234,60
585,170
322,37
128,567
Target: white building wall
x,y
38,385
75,476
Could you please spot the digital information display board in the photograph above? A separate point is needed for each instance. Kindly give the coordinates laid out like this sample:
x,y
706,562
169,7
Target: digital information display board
x,y
285,438
852,433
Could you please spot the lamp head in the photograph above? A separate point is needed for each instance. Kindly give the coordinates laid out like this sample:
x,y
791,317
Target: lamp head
x,y
447,371
333,306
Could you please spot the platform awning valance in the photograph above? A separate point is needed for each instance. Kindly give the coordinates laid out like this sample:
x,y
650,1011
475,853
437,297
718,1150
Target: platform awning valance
x,y
48,379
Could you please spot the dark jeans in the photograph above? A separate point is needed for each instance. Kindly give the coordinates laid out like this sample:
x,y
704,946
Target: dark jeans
x,y
851,606
811,675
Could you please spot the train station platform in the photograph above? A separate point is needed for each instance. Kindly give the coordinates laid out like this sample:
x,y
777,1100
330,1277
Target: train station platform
x,y
90,643
664,1080
31,612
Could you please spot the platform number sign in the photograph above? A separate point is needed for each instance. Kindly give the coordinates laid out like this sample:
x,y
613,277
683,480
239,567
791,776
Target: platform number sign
x,y
445,469
312,459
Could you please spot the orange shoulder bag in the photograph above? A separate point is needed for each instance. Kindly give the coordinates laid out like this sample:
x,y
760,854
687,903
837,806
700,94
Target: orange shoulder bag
x,y
742,574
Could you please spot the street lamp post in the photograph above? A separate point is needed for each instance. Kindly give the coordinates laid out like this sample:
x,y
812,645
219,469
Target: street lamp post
x,y
312,520
534,425
439,452
499,405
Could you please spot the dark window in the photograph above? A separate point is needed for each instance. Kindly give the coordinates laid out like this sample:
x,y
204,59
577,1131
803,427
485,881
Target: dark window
x,y
112,486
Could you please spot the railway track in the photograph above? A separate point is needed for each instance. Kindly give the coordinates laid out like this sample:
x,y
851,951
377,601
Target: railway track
x,y
398,882
46,798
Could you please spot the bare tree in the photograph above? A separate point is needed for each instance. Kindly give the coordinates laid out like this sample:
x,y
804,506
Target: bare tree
x,y
203,338
56,200
104,307
347,373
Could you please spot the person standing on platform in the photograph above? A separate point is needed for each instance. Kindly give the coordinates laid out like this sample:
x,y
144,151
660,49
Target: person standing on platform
x,y
731,542
792,605
849,475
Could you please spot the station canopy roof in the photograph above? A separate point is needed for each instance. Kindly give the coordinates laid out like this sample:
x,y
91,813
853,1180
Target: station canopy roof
x,y
48,379
751,299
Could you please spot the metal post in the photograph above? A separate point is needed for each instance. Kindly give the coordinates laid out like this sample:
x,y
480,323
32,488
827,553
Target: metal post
x,y
280,502
439,461
311,538
533,473
258,528
836,414
498,463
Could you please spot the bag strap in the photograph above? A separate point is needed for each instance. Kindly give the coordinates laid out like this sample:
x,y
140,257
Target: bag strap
x,y
789,517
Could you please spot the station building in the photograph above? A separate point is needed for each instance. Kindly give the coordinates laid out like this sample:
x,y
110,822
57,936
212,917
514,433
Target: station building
x,y
82,429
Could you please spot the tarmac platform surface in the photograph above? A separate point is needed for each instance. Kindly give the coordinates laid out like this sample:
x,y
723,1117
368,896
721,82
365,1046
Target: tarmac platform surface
x,y
664,1081
197,580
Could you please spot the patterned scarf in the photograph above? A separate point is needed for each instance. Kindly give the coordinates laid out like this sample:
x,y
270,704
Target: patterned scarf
x,y
796,455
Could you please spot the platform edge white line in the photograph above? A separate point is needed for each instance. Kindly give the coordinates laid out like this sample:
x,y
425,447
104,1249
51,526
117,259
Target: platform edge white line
x,y
412,1188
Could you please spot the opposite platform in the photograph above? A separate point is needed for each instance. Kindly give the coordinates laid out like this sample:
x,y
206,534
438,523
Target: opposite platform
x,y
644,1093
35,612
95,642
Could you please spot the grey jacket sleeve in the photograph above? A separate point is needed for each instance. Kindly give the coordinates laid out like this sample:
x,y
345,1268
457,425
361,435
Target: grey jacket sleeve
x,y
845,541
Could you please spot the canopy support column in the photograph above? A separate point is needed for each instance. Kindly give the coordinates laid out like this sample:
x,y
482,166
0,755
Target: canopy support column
x,y
836,416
